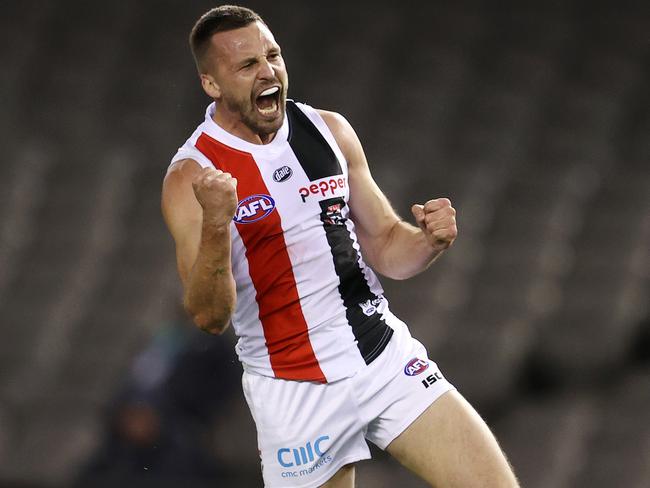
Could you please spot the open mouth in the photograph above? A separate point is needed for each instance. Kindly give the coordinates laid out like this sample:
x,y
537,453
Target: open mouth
x,y
268,101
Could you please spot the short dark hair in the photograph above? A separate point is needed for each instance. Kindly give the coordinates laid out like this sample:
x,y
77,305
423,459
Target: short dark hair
x,y
219,19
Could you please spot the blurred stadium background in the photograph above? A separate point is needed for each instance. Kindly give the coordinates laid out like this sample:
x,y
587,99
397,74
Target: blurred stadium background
x,y
533,118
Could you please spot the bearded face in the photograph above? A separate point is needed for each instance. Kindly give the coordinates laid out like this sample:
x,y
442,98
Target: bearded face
x,y
262,107
252,78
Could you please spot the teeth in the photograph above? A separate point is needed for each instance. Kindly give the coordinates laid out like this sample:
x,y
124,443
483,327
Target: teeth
x,y
269,91
270,110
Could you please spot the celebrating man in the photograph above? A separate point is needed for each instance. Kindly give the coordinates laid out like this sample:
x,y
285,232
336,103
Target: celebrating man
x,y
278,227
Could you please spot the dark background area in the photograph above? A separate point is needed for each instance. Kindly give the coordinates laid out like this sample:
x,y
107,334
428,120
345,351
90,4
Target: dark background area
x,y
534,118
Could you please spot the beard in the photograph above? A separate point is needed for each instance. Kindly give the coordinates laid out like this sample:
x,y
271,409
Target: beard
x,y
247,110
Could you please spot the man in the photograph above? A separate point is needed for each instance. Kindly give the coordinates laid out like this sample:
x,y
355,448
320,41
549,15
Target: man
x,y
275,215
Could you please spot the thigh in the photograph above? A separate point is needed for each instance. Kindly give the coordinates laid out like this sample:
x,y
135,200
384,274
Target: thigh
x,y
450,445
403,384
344,478
306,432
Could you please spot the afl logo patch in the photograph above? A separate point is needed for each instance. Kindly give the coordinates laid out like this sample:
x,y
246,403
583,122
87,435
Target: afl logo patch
x,y
282,174
415,366
253,208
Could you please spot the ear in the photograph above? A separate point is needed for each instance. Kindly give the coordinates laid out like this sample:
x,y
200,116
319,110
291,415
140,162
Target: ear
x,y
210,86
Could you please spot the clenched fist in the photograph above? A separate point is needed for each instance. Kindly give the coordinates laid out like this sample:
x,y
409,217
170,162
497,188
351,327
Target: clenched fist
x,y
437,219
216,191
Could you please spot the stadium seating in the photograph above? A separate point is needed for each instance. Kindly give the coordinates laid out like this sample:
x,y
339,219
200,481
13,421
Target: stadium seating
x,y
533,119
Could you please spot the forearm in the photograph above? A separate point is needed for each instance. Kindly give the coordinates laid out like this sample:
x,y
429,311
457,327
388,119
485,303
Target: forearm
x,y
405,253
210,294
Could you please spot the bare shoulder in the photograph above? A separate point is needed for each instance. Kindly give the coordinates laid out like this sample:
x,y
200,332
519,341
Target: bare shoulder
x,y
178,179
338,124
177,193
343,132
333,119
181,171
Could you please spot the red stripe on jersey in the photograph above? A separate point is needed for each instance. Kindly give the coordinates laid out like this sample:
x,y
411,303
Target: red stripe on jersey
x,y
285,329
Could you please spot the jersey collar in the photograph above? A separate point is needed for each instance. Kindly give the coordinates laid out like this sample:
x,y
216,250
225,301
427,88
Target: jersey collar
x,y
216,131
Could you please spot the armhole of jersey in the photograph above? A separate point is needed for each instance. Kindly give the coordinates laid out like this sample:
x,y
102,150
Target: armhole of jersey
x,y
188,151
322,126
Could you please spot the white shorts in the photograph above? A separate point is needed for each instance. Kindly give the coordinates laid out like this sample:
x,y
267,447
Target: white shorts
x,y
307,431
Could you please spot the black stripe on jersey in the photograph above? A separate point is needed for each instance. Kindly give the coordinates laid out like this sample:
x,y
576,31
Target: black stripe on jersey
x,y
310,147
369,328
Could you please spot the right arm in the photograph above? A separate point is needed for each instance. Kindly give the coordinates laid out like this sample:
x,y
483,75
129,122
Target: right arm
x,y
198,205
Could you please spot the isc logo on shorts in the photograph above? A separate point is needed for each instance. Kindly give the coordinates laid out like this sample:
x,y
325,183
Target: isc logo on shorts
x,y
253,208
415,366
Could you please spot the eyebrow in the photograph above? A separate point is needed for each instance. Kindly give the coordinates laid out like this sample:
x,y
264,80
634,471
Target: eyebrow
x,y
245,61
253,59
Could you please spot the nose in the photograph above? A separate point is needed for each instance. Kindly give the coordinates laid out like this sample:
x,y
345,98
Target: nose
x,y
266,70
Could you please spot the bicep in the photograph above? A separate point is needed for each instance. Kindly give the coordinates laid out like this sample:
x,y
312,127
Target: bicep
x,y
183,214
372,213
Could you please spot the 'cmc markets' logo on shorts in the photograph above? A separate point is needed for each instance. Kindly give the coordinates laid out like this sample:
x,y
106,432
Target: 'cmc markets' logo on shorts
x,y
253,208
324,187
289,457
415,366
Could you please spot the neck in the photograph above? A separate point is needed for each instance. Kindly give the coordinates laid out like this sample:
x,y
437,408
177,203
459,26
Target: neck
x,y
232,123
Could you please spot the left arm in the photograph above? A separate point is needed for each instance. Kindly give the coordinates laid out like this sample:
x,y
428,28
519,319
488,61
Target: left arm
x,y
390,245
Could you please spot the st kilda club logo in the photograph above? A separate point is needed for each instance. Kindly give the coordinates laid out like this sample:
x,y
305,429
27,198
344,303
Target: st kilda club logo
x,y
254,208
332,214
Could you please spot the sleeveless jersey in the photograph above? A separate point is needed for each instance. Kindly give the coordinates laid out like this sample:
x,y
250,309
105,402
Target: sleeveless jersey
x,y
308,308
